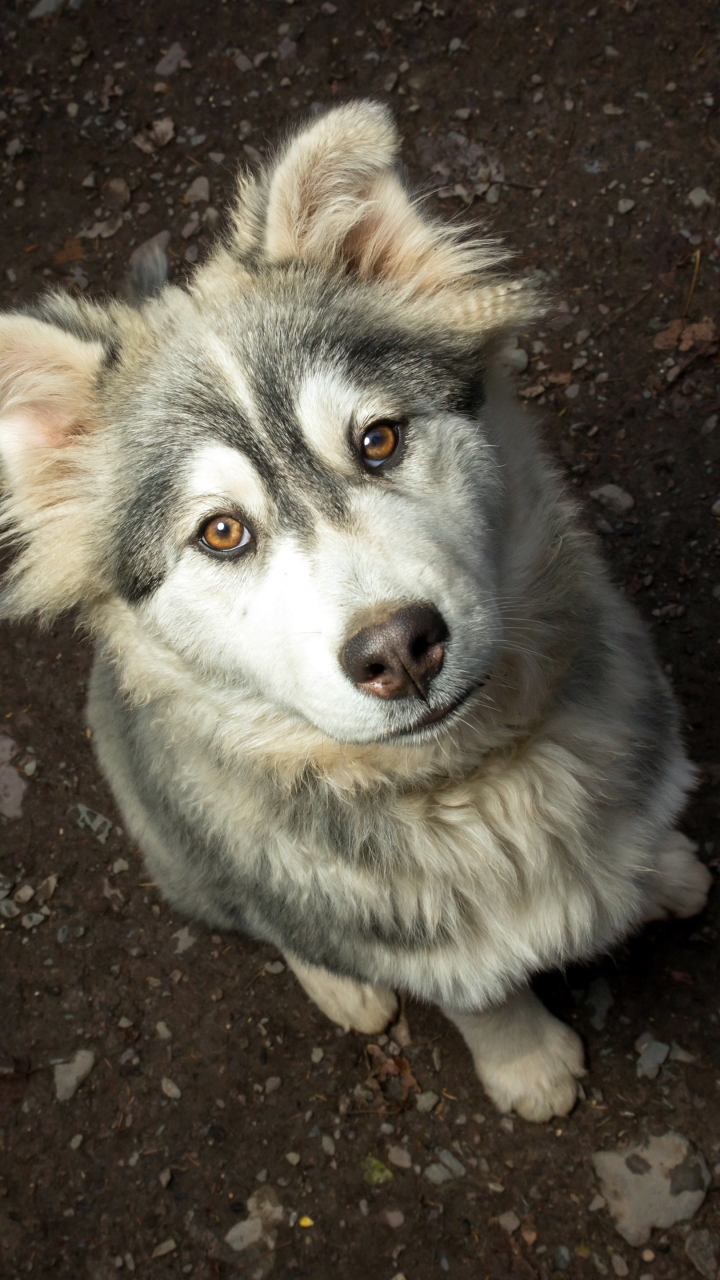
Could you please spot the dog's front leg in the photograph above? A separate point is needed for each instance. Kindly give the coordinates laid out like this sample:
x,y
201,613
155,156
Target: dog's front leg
x,y
356,1006
527,1060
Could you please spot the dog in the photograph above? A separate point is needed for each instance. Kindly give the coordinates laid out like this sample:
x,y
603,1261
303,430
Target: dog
x,y
362,686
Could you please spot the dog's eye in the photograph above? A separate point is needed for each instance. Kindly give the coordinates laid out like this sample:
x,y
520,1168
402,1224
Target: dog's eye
x,y
380,443
224,533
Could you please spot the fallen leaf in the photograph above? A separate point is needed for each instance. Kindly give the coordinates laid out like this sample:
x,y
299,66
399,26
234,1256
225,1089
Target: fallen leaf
x,y
668,338
72,251
375,1172
694,334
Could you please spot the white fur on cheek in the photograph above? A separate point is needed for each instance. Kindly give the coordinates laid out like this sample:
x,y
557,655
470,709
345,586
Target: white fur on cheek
x,y
270,628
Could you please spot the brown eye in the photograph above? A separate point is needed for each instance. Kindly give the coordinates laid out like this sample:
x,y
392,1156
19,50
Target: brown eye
x,y
224,533
379,443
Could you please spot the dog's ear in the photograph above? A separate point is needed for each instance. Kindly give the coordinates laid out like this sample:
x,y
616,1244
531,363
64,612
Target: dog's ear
x,y
334,199
48,414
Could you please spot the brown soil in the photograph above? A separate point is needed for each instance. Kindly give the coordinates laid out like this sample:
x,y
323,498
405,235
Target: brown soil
x,y
636,73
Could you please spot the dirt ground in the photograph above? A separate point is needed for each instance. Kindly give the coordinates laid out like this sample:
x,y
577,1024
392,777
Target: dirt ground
x,y
588,136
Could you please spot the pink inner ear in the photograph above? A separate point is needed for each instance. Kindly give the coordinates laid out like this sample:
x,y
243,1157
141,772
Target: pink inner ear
x,y
24,432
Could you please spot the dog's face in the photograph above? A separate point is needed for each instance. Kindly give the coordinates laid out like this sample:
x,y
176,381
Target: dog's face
x,y
285,472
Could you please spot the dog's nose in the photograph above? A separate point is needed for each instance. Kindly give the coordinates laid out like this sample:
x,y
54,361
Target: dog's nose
x,y
397,658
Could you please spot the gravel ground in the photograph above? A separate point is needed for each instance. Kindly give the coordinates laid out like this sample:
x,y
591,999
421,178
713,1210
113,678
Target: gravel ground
x,y
215,1098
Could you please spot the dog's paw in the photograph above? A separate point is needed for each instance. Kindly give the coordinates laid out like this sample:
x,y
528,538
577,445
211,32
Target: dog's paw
x,y
542,1082
682,882
364,1008
355,1006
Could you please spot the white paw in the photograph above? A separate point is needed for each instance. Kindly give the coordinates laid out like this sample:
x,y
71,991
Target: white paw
x,y
682,881
542,1082
356,1006
364,1008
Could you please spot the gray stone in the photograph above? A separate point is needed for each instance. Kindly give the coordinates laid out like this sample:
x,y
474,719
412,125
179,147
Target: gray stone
x,y
652,1056
32,920
170,62
258,1232
700,1249
400,1157
437,1174
599,1000
680,1055
452,1163
8,909
12,785
563,1257
70,1075
199,190
45,7
426,1101
509,1221
614,498
655,1183
698,197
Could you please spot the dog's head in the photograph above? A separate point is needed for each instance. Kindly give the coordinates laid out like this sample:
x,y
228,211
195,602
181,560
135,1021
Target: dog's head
x,y
288,470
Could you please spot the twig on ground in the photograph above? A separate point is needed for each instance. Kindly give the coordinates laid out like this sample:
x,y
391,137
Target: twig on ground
x,y
614,319
693,282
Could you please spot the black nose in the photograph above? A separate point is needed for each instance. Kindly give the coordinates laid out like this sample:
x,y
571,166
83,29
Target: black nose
x,y
397,658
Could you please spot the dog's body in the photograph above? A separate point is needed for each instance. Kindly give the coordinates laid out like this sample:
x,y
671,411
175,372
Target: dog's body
x,y
405,730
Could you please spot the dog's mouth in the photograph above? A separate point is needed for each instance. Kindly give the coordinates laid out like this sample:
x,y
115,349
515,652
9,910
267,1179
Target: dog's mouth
x,y
439,716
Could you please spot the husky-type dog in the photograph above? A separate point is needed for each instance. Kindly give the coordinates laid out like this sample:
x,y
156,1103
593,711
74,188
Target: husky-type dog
x,y
362,687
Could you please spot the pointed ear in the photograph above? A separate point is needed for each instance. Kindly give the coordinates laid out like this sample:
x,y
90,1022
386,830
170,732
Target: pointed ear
x,y
47,415
334,199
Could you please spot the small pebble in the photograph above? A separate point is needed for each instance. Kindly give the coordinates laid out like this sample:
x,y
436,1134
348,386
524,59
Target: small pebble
x,y
452,1163
426,1101
164,1178
437,1174
680,1055
169,1088
625,204
400,1157
293,1158
509,1221
272,1084
70,1075
615,499
199,190
163,1030
328,1145
394,1218
699,197
317,1055
619,1265
651,1059
563,1257
76,1141
161,1250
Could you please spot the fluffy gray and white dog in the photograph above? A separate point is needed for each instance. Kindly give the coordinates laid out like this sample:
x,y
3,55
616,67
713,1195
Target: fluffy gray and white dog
x,y
362,687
